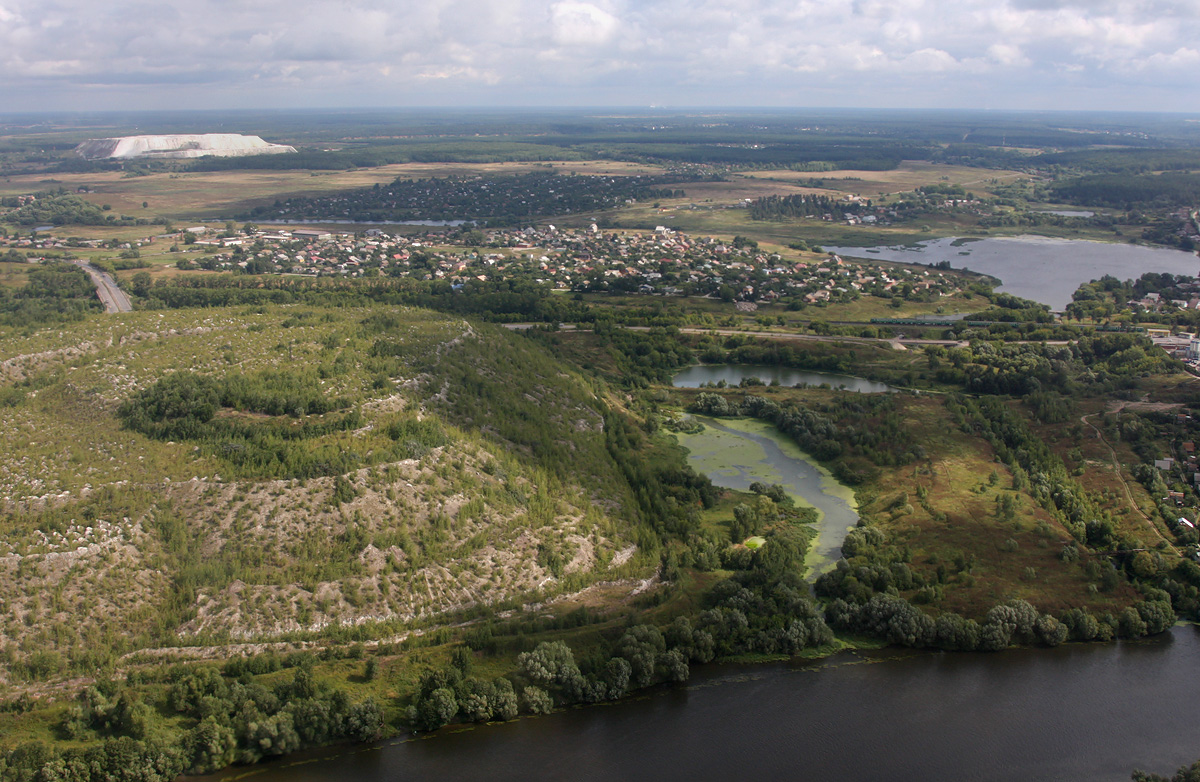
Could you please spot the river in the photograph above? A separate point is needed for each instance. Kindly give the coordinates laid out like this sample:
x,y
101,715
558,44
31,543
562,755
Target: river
x,y
1036,267
1088,712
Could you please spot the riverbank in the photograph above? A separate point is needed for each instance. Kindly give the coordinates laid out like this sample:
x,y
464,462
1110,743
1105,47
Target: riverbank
x,y
1004,717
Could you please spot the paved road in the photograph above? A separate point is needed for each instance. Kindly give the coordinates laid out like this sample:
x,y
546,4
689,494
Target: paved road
x,y
113,297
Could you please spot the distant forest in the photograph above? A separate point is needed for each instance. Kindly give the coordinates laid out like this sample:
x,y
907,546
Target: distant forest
x,y
1170,189
498,200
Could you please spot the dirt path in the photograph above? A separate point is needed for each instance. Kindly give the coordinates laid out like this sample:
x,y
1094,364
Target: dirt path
x,y
1121,476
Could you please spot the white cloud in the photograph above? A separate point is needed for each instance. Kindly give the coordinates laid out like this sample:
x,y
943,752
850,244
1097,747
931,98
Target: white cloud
x,y
582,24
1007,55
294,52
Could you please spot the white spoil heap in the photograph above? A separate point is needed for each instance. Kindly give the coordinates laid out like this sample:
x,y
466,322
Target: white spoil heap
x,y
193,145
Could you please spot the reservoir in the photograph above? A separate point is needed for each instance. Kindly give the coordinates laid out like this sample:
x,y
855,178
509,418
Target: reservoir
x,y
1087,712
732,374
1038,268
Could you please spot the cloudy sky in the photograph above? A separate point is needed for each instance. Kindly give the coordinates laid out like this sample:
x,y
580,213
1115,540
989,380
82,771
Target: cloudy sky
x,y
176,54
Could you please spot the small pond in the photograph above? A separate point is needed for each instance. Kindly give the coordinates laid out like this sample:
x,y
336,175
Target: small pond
x,y
733,374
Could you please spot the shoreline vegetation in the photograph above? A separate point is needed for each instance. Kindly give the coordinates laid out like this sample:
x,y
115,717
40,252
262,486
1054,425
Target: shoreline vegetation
x,y
367,508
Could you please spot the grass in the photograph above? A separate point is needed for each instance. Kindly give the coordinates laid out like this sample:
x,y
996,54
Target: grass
x,y
959,488
468,522
906,177
14,275
196,195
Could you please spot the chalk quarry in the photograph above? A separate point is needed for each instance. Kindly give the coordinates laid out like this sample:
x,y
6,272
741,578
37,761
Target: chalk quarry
x,y
179,146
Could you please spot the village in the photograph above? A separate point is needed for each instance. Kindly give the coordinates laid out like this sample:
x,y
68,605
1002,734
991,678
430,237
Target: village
x,y
661,262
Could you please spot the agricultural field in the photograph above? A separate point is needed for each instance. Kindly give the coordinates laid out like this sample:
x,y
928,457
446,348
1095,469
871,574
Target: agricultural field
x,y
906,177
198,195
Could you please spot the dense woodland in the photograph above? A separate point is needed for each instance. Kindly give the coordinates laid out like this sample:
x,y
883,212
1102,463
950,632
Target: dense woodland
x,y
54,293
495,200
1168,190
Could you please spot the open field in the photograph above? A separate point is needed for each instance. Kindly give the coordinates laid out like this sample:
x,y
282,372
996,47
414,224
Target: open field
x,y
14,275
197,195
910,175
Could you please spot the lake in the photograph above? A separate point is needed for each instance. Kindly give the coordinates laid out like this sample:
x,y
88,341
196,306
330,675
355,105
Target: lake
x,y
1038,268
433,223
736,452
1088,712
732,374
1067,212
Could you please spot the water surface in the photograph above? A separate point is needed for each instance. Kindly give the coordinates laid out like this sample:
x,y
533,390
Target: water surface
x,y
732,374
1038,268
735,453
1080,712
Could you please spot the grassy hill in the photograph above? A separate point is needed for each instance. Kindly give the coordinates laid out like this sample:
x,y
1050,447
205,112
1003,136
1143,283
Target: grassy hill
x,y
354,470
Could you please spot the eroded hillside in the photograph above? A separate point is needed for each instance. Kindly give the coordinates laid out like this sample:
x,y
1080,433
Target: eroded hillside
x,y
199,478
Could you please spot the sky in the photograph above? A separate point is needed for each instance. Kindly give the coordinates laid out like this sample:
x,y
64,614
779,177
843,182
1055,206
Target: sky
x,y
228,54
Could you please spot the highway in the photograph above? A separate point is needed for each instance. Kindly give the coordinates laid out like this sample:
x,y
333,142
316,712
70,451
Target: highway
x,y
113,297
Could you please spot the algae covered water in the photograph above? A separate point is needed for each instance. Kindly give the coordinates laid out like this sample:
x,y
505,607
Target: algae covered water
x,y
734,453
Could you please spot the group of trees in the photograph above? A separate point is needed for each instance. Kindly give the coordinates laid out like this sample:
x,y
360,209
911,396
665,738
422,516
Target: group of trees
x,y
233,720
1094,363
53,293
854,432
185,399
497,200
1107,296
549,676
184,406
65,208
775,207
763,613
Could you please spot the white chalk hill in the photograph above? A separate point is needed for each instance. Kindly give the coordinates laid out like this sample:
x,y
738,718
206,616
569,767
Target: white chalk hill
x,y
179,146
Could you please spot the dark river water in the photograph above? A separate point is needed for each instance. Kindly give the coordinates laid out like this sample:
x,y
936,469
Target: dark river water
x,y
1078,712
1085,712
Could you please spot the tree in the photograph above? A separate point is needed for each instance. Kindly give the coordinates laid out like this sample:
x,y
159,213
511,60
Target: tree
x,y
535,700
436,710
141,284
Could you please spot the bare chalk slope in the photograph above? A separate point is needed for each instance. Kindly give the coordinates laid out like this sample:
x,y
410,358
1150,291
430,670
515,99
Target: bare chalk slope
x,y
180,146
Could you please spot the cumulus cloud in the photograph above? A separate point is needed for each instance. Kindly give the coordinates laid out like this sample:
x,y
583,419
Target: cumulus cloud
x,y
864,52
581,24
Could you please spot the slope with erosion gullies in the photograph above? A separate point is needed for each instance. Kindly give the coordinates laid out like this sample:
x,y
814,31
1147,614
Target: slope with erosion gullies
x,y
200,477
